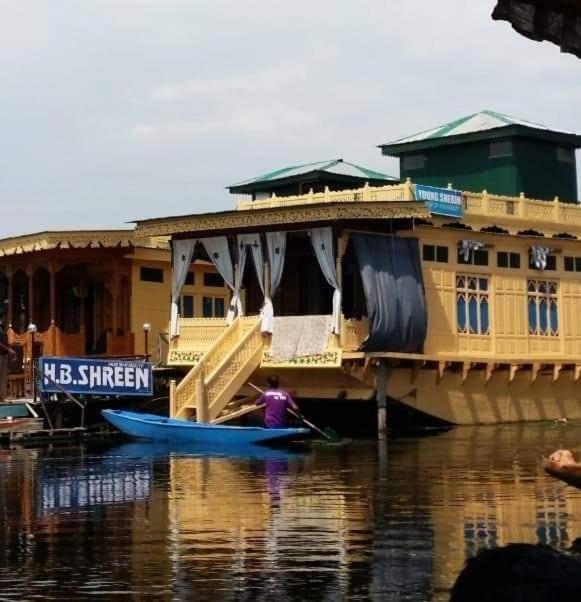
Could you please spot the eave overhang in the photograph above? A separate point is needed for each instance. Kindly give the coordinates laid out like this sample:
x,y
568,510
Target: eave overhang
x,y
278,218
396,149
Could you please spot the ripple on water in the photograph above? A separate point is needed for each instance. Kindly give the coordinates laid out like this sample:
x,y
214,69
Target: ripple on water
x,y
132,522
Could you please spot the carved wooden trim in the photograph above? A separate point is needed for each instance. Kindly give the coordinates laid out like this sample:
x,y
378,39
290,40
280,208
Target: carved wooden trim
x,y
300,214
76,239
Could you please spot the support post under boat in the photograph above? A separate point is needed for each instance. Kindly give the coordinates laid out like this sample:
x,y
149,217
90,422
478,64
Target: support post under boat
x,y
380,397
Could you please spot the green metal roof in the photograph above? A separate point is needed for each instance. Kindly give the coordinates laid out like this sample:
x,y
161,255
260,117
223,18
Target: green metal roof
x,y
334,167
483,125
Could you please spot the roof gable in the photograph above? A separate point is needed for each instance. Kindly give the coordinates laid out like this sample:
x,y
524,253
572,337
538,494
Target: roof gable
x,y
334,167
480,125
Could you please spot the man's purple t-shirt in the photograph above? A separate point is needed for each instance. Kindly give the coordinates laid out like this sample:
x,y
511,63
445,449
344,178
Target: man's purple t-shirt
x,y
276,401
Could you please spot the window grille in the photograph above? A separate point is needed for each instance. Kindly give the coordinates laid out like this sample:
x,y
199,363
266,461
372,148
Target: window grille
x,y
472,304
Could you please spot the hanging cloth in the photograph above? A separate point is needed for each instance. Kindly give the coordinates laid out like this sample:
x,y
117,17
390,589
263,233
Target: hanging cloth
x,y
219,253
251,242
275,250
182,253
467,247
322,241
539,256
391,275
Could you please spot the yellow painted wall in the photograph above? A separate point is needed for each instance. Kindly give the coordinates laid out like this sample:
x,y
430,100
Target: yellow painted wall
x,y
150,301
508,303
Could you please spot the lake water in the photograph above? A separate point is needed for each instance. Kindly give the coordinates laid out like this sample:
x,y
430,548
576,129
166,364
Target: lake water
x,y
337,522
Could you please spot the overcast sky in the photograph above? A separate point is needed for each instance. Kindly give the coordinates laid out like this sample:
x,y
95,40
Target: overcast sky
x,y
118,109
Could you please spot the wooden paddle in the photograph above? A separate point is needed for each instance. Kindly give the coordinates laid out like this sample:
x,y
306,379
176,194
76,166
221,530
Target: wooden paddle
x,y
327,433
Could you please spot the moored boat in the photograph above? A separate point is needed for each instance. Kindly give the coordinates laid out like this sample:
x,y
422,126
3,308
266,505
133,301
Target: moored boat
x,y
570,474
151,426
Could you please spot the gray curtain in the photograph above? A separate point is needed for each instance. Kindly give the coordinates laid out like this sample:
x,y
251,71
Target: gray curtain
x,y
219,252
275,250
183,251
252,243
391,274
322,241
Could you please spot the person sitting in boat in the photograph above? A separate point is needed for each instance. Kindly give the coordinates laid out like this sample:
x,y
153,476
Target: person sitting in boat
x,y
276,402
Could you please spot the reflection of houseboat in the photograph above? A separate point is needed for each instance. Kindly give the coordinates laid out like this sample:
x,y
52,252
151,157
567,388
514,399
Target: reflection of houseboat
x,y
463,305
91,293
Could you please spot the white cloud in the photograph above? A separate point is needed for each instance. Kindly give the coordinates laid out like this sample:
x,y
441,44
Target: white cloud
x,y
270,79
126,108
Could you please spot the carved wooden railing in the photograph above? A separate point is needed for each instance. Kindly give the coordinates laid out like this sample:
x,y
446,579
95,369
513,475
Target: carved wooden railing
x,y
234,371
522,209
224,355
353,333
197,336
366,194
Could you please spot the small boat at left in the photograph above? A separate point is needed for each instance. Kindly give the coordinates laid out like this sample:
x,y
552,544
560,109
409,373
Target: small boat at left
x,y
151,426
18,417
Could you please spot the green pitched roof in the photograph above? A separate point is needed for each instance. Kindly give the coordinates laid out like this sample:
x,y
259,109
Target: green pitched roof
x,y
478,126
335,168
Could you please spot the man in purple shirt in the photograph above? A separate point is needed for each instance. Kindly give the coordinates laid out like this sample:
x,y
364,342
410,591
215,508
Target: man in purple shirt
x,y
276,403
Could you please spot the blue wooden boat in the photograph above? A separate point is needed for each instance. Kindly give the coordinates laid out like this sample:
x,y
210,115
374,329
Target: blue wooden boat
x,y
151,426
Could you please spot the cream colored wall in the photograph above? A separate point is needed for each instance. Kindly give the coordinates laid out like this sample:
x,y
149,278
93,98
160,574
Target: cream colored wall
x,y
508,305
150,301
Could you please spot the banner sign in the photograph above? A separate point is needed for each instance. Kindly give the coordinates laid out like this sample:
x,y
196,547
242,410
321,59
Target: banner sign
x,y
440,201
95,377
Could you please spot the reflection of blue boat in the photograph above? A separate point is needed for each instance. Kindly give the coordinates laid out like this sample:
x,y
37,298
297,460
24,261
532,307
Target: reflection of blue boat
x,y
150,426
162,449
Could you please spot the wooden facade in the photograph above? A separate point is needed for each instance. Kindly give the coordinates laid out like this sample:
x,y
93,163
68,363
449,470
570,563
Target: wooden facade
x,y
510,366
89,293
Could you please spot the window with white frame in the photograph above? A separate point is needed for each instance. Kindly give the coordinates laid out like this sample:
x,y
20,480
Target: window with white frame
x,y
472,303
543,308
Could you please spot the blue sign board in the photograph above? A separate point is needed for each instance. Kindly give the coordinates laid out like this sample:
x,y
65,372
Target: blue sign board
x,y
440,201
95,377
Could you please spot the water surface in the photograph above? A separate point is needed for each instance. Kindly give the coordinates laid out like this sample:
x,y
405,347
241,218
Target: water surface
x,y
349,522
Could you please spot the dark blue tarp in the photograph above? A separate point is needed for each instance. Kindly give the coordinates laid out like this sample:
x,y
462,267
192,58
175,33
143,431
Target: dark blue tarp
x,y
391,275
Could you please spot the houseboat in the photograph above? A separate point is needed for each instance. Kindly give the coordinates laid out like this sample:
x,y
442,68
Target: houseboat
x,y
93,292
455,290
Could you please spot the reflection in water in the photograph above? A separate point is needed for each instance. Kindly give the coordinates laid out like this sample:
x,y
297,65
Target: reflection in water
x,y
144,519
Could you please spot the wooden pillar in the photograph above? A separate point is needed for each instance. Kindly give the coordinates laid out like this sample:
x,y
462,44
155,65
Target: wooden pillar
x,y
380,397
52,328
172,398
52,272
342,240
10,276
202,402
30,274
115,300
83,294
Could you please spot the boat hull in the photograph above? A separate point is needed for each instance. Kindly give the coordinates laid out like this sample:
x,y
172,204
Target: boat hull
x,y
151,426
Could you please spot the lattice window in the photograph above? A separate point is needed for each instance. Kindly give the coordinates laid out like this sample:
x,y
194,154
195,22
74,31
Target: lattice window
x,y
543,308
472,304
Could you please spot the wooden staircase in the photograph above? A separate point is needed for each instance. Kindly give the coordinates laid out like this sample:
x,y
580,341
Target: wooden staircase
x,y
221,372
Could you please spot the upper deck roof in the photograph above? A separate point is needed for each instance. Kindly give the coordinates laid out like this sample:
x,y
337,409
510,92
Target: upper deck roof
x,y
481,210
484,125
78,239
334,168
